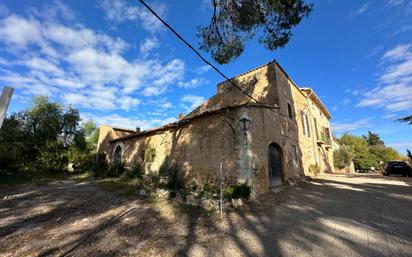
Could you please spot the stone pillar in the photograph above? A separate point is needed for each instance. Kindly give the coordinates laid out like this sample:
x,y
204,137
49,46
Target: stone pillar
x,y
4,102
244,169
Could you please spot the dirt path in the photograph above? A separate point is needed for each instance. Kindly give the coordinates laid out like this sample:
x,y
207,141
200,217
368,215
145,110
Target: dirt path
x,y
330,216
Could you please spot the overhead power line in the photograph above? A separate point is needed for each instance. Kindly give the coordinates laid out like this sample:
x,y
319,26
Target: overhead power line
x,y
197,53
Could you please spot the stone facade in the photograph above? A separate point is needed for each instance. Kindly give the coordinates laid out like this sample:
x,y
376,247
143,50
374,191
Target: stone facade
x,y
232,129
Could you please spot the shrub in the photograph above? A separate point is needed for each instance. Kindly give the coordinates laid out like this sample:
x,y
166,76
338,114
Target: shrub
x,y
151,182
238,191
176,178
343,156
149,154
100,168
314,169
135,172
115,169
209,190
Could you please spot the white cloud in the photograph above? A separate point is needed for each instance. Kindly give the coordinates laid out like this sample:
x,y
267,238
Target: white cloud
x,y
53,11
19,31
164,75
359,11
101,100
127,122
395,84
127,102
394,2
374,51
51,55
399,52
202,70
192,101
390,116
149,44
196,82
350,126
121,11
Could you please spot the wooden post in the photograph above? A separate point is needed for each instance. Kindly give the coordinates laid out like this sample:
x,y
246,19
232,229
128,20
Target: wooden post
x,y
4,102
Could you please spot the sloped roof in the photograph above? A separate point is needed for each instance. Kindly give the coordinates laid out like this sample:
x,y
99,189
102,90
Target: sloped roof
x,y
310,93
213,106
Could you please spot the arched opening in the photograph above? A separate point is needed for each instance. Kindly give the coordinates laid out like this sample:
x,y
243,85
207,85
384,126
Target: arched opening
x,y
275,158
118,155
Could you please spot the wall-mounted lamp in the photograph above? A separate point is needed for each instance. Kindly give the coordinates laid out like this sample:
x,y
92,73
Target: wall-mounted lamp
x,y
244,124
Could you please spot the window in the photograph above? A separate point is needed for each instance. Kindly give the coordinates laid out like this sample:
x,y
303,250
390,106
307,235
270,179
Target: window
x,y
290,111
316,128
305,124
294,153
327,132
302,114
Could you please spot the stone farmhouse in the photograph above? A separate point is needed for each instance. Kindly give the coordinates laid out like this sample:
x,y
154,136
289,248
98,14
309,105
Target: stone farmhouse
x,y
265,143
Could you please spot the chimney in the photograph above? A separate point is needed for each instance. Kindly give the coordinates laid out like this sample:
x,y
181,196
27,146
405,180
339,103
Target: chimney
x,y
181,116
137,130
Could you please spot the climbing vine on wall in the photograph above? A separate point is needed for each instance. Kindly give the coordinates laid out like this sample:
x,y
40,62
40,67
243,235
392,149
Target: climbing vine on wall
x,y
150,154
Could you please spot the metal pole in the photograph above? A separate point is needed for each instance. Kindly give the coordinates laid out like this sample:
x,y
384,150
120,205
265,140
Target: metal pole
x,y
221,190
4,102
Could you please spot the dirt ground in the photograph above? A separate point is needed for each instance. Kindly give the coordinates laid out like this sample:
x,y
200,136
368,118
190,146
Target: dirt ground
x,y
340,215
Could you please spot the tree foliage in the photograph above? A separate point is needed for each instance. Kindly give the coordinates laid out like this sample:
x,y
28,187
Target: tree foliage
x,y
373,139
407,119
44,138
369,151
236,21
343,156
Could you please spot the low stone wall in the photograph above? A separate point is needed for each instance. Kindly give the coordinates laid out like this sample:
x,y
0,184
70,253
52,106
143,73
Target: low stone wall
x,y
347,169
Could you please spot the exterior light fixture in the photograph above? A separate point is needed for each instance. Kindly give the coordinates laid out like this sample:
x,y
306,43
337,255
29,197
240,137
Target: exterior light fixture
x,y
244,124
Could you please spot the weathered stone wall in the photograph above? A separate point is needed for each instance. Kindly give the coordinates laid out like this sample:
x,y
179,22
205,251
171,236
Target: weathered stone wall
x,y
197,148
198,145
107,133
314,151
259,83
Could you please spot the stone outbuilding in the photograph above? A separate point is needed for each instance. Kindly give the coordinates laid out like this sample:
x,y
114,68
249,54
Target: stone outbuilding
x,y
264,143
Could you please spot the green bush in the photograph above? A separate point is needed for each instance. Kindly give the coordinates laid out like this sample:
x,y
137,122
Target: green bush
x,y
115,169
52,158
149,154
343,156
176,178
238,191
135,172
100,168
314,169
209,190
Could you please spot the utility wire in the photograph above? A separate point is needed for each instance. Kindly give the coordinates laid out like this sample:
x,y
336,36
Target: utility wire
x,y
197,53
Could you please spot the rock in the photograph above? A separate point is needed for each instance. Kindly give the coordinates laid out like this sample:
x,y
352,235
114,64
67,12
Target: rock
x,y
142,192
291,183
162,194
192,200
237,203
209,204
163,179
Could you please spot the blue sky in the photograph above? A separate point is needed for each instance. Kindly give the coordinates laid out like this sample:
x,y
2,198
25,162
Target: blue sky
x,y
119,66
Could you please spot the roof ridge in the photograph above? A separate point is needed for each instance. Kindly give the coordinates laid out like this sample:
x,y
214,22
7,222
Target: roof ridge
x,y
249,71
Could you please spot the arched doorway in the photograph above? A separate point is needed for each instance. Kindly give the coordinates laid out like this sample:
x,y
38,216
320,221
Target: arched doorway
x,y
275,165
118,155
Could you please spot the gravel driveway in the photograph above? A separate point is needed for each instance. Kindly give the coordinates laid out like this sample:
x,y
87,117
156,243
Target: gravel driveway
x,y
340,215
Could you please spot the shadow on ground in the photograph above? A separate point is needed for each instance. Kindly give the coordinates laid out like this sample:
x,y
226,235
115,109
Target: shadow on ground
x,y
330,216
